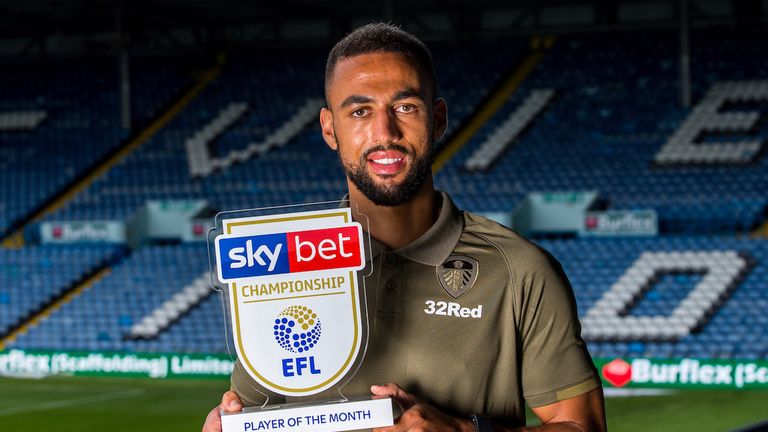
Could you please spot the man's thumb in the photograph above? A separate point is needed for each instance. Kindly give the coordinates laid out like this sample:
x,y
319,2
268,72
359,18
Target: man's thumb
x,y
402,397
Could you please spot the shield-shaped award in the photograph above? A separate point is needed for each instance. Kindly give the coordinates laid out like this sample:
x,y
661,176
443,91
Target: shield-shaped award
x,y
292,282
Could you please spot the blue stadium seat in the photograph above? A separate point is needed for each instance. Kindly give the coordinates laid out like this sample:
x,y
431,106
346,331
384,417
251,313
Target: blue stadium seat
x,y
615,107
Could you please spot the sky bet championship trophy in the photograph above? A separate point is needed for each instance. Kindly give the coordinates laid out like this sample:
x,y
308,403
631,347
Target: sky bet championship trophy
x,y
294,295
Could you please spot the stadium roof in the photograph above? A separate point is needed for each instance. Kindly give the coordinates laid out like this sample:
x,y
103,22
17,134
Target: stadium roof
x,y
178,24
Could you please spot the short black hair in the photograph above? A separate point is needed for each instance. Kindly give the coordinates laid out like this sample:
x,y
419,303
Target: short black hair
x,y
382,38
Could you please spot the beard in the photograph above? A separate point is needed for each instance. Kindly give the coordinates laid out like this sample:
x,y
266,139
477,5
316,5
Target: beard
x,y
395,194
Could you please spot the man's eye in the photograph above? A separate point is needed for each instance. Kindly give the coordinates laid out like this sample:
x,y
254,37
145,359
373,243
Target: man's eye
x,y
360,112
405,109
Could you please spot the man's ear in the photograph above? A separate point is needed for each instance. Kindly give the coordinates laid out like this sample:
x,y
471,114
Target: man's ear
x,y
326,123
439,119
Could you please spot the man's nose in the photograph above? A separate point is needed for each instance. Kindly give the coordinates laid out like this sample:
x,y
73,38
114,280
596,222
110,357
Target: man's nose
x,y
385,128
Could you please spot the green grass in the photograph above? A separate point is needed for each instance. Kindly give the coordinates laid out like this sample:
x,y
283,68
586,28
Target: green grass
x,y
106,404
80,404
690,410
697,410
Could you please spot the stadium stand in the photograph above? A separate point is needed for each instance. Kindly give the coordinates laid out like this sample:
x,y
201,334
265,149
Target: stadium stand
x,y
615,108
275,88
81,125
140,285
172,309
159,170
61,118
22,120
31,278
101,318
736,328
509,129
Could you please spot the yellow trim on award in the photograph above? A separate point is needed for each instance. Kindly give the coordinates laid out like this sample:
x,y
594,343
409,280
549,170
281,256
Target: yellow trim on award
x,y
292,298
344,214
247,362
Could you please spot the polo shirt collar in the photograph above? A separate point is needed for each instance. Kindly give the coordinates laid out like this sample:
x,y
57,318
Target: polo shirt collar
x,y
434,246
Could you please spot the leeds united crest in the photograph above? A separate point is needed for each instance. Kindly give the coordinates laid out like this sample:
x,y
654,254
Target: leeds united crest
x,y
457,274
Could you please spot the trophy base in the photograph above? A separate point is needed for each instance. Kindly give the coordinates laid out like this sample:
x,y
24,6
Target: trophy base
x,y
319,417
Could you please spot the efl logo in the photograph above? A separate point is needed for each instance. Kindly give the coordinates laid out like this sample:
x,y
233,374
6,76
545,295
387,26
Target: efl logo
x,y
292,252
297,329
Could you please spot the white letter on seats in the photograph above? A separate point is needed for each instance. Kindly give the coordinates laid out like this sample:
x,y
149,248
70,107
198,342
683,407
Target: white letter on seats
x,y
604,320
681,147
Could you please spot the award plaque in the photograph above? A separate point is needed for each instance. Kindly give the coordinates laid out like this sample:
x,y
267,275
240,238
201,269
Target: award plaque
x,y
295,303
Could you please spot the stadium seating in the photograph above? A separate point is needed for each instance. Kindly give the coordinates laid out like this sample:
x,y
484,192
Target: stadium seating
x,y
707,116
172,309
21,120
274,89
31,278
302,171
61,118
616,107
102,317
736,328
509,130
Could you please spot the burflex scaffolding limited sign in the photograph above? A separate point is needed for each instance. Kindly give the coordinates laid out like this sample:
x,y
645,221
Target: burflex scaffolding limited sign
x,y
684,373
21,363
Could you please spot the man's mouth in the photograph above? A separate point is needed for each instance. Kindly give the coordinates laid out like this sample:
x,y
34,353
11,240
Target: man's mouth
x,y
386,162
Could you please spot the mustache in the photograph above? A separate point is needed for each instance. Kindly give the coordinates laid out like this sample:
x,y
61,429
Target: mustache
x,y
380,147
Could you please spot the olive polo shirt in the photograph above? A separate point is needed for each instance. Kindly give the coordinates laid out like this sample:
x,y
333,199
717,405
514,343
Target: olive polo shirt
x,y
470,317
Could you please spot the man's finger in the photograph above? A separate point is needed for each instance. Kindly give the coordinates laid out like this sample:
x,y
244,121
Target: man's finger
x,y
213,421
230,402
402,397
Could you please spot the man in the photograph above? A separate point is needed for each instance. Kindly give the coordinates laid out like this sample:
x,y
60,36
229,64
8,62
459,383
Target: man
x,y
468,321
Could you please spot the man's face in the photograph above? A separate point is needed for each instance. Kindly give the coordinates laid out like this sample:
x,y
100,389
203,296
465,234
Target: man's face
x,y
382,120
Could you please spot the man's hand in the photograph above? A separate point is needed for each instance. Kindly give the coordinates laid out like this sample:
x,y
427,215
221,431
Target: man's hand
x,y
418,416
230,402
585,412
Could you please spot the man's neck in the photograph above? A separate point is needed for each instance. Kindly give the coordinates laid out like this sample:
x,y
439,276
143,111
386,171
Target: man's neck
x,y
397,226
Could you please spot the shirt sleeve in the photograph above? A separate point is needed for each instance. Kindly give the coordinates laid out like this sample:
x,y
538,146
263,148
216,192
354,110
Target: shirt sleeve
x,y
555,362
